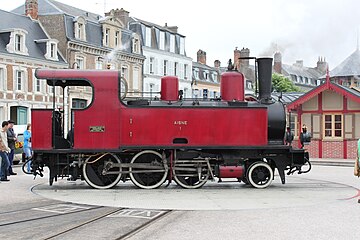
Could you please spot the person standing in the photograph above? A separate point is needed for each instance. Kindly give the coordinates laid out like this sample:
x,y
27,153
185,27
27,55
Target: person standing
x,y
305,136
4,150
11,143
27,146
289,136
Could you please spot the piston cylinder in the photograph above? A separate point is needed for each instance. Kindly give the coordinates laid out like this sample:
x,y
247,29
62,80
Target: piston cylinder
x,y
169,88
231,171
232,86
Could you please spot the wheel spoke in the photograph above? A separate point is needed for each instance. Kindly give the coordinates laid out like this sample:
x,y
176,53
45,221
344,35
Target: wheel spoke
x,y
148,180
93,172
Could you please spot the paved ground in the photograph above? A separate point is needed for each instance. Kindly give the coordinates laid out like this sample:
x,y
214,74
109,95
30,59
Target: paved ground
x,y
319,205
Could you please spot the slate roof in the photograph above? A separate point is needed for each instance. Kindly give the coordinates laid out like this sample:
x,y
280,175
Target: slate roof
x,y
301,71
349,67
93,26
35,32
51,7
350,93
287,97
202,68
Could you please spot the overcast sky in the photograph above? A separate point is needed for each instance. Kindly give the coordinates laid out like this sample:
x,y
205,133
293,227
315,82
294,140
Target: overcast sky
x,y
300,29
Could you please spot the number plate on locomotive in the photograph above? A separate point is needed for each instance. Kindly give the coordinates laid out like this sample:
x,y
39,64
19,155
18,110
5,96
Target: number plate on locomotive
x,y
97,128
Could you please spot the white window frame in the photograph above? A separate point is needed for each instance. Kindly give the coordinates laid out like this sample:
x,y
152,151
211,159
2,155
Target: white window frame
x,y
333,129
185,71
162,41
107,37
125,72
21,74
11,47
182,46
117,39
176,68
165,67
172,43
3,77
148,37
136,75
80,61
99,64
151,65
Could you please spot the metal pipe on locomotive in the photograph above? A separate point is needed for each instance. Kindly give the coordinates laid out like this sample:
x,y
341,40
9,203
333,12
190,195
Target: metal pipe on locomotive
x,y
152,141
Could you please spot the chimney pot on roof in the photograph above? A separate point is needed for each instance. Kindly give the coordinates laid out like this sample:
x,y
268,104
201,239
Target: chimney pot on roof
x,y
31,8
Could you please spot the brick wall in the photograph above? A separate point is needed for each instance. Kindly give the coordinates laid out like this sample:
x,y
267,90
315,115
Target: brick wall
x,y
333,149
351,149
313,148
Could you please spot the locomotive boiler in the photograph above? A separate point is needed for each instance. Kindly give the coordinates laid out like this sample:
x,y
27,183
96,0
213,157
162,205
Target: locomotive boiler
x,y
151,141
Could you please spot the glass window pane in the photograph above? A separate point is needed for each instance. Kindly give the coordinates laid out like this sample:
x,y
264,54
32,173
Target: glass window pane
x,y
337,125
327,117
327,133
337,133
338,118
327,125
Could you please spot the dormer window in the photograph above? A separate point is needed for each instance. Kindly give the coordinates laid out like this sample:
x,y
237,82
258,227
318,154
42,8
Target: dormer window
x,y
79,28
136,45
51,48
17,43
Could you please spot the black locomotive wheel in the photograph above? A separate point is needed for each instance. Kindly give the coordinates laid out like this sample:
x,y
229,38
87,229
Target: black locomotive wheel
x,y
153,178
260,175
93,172
190,179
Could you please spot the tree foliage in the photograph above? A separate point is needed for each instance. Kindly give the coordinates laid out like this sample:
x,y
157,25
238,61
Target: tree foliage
x,y
283,84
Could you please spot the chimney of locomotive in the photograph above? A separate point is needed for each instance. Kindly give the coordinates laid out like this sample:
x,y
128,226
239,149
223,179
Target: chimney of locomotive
x,y
265,74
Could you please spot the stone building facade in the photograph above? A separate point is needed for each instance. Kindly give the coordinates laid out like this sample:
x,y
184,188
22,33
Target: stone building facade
x,y
24,47
205,79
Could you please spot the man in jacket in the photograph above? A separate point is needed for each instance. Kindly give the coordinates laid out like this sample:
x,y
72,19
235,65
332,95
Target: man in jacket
x,y
4,150
11,143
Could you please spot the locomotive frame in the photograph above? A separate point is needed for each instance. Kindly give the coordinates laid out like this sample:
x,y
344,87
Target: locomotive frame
x,y
152,141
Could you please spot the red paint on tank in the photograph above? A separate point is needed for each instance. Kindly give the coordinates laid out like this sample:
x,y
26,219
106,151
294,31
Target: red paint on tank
x,y
231,171
169,88
232,86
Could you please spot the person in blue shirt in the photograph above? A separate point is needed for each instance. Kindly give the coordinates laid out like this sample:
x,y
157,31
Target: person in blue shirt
x,y
27,145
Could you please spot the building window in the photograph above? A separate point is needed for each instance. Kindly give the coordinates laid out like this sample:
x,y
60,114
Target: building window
x,y
19,80
206,75
152,65
148,37
151,89
165,67
18,42
333,126
2,78
78,103
172,43
136,45
176,68
205,93
185,71
182,46
124,72
117,37
196,74
162,41
98,64
107,36
80,62
52,50
37,85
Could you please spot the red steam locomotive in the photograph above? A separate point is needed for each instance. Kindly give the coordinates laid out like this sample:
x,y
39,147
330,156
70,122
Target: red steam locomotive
x,y
152,141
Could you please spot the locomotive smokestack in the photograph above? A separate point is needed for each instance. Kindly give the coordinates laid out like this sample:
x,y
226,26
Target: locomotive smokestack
x,y
264,75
